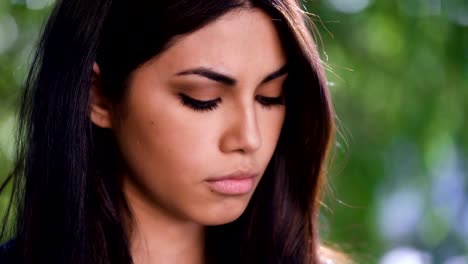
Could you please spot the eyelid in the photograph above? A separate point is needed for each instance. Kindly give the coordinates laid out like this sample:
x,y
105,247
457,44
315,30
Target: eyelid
x,y
273,88
199,100
196,86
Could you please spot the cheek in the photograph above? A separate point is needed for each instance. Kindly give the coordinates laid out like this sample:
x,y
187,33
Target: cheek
x,y
270,123
270,126
158,138
178,144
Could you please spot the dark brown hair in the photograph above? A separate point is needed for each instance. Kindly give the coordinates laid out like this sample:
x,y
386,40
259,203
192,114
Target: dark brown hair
x,y
69,200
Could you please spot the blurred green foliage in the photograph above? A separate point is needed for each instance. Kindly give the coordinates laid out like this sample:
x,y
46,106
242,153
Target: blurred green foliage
x,y
398,72
399,78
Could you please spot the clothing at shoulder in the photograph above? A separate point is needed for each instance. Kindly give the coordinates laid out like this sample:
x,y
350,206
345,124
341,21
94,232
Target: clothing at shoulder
x,y
328,255
6,252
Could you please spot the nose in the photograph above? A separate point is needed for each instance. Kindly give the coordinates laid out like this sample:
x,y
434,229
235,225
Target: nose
x,y
242,133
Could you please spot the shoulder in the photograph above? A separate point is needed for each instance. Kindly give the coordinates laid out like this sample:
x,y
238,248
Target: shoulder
x,y
6,252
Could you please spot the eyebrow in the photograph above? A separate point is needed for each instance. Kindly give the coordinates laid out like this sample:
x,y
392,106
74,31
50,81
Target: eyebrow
x,y
228,80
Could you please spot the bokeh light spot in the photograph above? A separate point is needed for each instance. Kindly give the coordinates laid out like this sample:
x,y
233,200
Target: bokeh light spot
x,y
8,32
399,214
405,255
349,6
38,4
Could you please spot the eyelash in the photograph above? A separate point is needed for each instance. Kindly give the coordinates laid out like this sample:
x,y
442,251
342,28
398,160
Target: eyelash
x,y
199,105
202,106
268,102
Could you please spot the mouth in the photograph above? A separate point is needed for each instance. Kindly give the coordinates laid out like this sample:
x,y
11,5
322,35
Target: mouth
x,y
237,183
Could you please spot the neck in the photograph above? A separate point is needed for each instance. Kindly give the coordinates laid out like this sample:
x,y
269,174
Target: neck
x,y
158,237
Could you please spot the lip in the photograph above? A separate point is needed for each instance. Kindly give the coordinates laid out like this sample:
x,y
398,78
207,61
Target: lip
x,y
237,183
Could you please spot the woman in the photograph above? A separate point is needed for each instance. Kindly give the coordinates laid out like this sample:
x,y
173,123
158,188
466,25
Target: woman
x,y
172,132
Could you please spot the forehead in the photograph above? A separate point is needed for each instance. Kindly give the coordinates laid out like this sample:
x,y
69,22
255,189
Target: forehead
x,y
242,41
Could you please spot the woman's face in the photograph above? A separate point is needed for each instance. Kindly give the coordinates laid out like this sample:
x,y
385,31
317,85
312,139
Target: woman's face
x,y
202,120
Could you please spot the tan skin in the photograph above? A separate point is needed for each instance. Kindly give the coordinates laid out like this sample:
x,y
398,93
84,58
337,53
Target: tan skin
x,y
171,150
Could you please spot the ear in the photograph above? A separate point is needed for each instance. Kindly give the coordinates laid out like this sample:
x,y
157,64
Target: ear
x,y
99,106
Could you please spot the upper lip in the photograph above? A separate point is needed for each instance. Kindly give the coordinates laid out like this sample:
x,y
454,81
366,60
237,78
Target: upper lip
x,y
237,175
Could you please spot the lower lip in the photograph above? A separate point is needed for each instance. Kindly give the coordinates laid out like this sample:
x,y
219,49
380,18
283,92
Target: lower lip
x,y
232,186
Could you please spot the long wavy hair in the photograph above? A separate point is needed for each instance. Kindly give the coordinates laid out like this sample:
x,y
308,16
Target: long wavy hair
x,y
68,202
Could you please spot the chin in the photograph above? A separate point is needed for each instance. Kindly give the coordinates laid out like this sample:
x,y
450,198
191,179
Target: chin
x,y
223,213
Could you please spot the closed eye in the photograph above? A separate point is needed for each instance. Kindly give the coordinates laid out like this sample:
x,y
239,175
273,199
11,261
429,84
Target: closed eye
x,y
270,101
209,105
199,105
